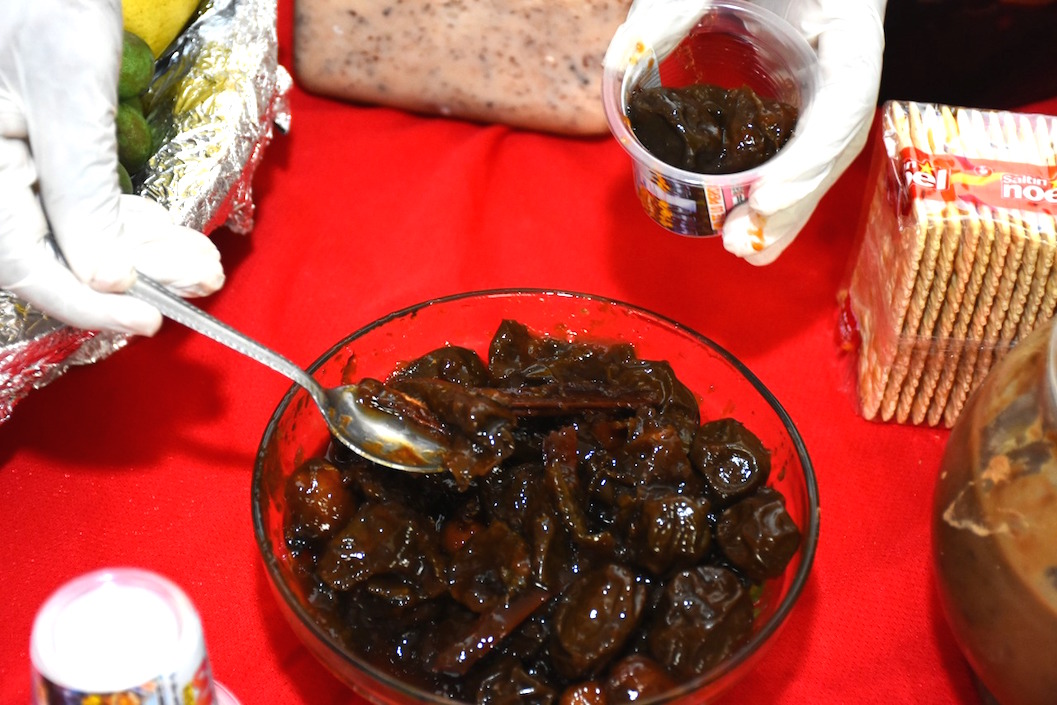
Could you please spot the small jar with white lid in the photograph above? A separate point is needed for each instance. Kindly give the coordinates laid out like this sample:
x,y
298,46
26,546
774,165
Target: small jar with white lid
x,y
121,635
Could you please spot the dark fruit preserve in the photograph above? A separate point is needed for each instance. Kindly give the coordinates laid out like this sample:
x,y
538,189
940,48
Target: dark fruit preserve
x,y
592,540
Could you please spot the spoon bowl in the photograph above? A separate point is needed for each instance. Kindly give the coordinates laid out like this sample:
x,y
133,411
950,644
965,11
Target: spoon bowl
x,y
376,435
383,438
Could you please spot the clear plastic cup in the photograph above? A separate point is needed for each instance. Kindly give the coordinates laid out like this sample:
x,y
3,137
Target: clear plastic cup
x,y
121,635
728,43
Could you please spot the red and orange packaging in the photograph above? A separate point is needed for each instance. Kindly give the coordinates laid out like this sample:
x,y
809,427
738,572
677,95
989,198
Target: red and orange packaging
x,y
956,255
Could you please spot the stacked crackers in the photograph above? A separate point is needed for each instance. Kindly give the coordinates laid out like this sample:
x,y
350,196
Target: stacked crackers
x,y
957,256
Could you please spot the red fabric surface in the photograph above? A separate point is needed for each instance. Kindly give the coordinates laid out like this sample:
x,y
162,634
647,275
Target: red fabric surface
x,y
145,458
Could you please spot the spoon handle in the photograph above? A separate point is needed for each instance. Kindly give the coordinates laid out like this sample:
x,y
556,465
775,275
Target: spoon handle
x,y
174,307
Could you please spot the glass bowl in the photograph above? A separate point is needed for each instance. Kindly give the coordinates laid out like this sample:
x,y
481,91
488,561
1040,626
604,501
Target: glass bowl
x,y
723,386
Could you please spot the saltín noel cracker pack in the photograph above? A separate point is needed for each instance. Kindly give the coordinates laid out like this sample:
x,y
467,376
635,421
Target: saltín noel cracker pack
x,y
956,256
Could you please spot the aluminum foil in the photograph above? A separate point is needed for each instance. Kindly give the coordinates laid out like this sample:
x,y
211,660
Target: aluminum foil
x,y
217,100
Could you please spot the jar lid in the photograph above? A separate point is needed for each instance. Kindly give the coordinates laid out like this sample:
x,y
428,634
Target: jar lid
x,y
120,630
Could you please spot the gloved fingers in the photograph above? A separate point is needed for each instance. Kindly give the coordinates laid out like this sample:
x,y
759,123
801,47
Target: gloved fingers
x,y
796,175
767,223
179,257
12,121
31,270
813,15
58,99
830,135
833,131
40,279
29,267
67,81
760,239
21,219
654,25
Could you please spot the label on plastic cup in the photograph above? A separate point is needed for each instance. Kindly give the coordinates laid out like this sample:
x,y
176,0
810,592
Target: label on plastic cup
x,y
123,636
695,209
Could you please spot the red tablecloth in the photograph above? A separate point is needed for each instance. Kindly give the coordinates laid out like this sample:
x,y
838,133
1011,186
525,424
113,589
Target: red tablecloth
x,y
145,458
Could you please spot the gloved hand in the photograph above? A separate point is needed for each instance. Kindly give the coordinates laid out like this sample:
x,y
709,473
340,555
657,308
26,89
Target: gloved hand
x,y
848,37
59,64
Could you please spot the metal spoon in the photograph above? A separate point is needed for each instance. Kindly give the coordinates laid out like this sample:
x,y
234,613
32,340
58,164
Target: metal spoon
x,y
380,437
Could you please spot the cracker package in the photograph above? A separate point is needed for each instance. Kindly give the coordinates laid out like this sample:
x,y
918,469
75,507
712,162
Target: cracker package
x,y
955,262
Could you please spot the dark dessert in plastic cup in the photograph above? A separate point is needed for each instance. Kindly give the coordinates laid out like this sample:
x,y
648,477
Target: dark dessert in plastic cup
x,y
730,44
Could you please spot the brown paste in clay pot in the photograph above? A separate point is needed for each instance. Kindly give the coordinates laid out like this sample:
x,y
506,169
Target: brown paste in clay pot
x,y
995,526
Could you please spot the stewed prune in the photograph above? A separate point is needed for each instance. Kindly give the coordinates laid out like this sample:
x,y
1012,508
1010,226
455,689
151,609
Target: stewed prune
x,y
318,502
450,364
704,615
593,542
757,535
383,541
490,565
596,616
514,686
732,460
668,530
584,693
636,677
708,129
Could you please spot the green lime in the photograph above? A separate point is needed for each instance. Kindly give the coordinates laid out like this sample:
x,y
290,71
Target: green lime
x,y
137,67
134,141
124,179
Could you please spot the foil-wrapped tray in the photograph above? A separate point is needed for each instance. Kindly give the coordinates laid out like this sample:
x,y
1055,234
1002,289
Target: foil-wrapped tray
x,y
217,99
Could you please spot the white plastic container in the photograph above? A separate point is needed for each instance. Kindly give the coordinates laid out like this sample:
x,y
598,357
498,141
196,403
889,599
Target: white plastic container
x,y
728,43
121,632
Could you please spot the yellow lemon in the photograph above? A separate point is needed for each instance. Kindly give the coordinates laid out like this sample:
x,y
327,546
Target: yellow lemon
x,y
158,22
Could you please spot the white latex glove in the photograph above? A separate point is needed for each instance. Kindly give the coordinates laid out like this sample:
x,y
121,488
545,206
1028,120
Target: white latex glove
x,y
848,37
59,64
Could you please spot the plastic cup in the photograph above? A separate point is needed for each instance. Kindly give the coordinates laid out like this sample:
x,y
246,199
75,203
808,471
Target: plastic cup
x,y
728,43
121,635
